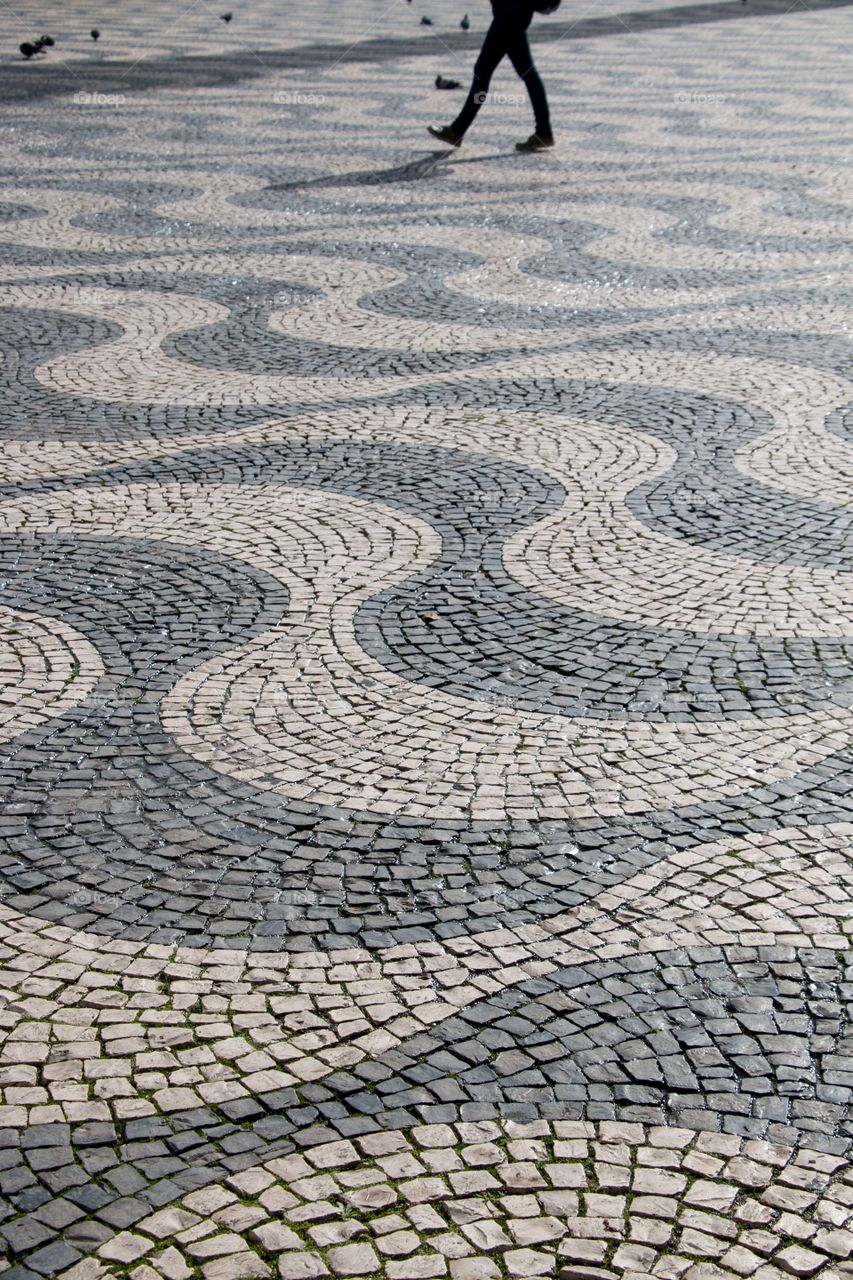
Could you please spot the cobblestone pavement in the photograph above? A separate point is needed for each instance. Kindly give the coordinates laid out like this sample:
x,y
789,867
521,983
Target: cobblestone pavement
x,y
425,636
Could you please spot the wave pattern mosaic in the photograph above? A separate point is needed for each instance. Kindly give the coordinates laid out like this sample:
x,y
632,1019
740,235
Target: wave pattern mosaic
x,y
426,621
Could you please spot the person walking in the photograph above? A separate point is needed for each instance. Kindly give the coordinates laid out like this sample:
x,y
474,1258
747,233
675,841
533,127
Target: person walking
x,y
506,37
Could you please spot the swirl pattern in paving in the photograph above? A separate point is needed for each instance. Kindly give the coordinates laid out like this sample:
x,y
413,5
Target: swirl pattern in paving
x,y
426,622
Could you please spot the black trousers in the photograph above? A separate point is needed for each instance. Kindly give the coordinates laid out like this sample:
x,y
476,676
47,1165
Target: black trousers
x,y
506,37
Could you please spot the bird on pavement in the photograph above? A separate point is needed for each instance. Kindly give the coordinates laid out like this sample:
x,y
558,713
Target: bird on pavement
x,y
226,17
426,22
95,33
465,23
442,83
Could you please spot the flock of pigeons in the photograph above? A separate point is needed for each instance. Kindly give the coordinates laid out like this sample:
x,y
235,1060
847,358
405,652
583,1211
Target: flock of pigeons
x,y
442,82
30,48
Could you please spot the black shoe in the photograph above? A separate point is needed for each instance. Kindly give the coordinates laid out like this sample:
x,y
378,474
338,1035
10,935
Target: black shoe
x,y
536,142
445,133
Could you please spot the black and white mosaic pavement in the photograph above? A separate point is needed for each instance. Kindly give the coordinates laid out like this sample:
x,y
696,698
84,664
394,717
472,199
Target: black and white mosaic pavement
x,y
426,698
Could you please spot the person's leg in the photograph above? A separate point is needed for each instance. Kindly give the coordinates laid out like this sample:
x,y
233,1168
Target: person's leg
x,y
494,48
518,50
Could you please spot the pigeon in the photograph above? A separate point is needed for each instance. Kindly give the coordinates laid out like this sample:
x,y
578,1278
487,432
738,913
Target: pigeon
x,y
426,22
465,23
28,49
226,17
95,33
442,83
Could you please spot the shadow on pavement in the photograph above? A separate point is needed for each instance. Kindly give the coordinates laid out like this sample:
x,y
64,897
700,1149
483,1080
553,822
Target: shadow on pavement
x,y
23,81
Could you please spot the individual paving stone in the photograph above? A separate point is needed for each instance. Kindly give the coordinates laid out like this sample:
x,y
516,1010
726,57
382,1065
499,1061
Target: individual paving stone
x,y
799,1261
23,1234
838,1244
171,1264
301,1266
353,1260
473,1269
53,1258
420,1268
241,1266
274,1237
398,1243
125,1247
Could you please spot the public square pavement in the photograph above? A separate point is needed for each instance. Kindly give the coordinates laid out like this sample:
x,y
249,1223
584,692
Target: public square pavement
x,y
426,627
